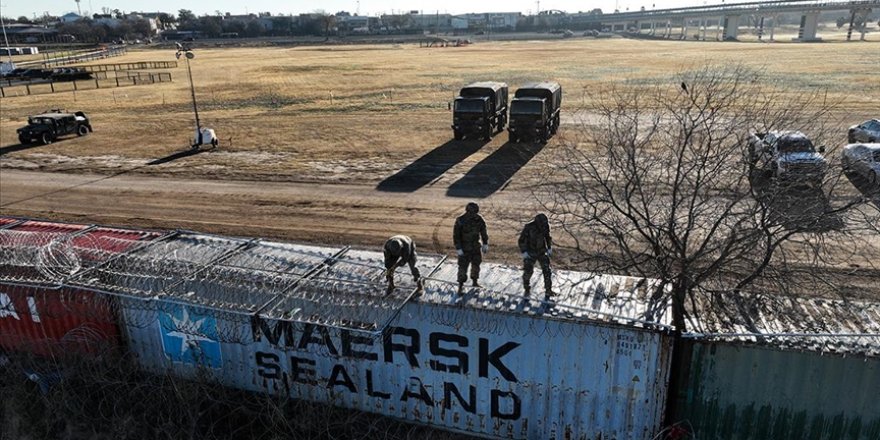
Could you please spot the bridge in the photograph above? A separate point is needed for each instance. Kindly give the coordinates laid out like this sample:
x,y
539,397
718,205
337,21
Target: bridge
x,y
727,18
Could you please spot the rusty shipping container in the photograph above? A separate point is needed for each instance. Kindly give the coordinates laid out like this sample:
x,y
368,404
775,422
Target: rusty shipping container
x,y
792,369
38,314
315,323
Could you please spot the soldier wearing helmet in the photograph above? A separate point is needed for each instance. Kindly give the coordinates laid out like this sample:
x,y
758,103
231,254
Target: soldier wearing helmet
x,y
471,242
399,251
536,245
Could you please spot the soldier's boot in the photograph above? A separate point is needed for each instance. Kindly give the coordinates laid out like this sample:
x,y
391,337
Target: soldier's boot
x,y
548,292
476,283
420,284
526,289
460,288
390,289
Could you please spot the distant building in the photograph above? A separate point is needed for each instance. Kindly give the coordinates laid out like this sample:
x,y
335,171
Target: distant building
x,y
70,17
23,33
432,22
496,21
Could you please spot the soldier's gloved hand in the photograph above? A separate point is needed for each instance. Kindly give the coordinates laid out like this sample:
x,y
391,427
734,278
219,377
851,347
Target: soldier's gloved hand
x,y
526,255
459,252
549,251
485,248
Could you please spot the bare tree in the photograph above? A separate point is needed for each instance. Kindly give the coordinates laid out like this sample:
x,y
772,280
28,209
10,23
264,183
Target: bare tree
x,y
327,21
660,183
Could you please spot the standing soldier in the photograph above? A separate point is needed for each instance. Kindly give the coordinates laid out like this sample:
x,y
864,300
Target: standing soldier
x,y
400,250
469,229
536,244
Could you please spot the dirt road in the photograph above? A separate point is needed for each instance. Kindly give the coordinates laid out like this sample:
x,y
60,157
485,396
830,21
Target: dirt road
x,y
323,213
353,214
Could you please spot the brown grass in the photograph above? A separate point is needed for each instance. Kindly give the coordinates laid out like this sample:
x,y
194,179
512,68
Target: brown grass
x,y
273,111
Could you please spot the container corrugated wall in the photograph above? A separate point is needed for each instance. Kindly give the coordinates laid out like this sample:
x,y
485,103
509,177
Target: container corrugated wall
x,y
732,391
39,317
47,321
492,373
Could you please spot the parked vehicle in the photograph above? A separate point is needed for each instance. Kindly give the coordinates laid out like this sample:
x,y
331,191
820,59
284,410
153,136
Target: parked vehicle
x,y
14,73
534,112
480,110
787,157
49,126
863,160
70,74
866,132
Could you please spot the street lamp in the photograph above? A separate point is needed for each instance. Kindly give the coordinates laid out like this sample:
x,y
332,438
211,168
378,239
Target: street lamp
x,y
6,42
203,136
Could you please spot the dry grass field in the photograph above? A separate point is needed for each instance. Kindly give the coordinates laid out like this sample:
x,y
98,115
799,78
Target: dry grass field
x,y
359,113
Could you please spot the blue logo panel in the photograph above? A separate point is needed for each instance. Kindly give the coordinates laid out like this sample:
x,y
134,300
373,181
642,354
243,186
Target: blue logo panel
x,y
189,336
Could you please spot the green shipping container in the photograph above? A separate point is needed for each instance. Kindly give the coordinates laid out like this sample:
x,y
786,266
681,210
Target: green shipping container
x,y
737,391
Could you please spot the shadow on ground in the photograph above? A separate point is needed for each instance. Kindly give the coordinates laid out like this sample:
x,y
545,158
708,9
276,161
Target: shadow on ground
x,y
796,206
429,167
17,147
869,189
176,156
495,171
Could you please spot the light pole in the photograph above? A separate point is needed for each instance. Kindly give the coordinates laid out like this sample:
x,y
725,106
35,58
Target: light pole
x,y
186,52
6,40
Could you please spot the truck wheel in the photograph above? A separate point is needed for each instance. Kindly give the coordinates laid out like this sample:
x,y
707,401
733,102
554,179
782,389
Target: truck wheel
x,y
82,130
46,138
457,135
24,140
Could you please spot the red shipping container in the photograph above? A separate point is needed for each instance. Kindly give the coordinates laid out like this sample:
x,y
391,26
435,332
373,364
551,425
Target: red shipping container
x,y
48,321
44,320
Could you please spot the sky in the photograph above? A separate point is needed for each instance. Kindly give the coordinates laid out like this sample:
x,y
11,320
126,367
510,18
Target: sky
x,y
16,8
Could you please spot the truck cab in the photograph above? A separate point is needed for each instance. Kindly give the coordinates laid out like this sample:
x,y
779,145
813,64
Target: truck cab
x,y
480,110
534,112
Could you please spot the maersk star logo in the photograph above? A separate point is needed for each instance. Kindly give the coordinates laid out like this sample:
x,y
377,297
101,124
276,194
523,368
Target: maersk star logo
x,y
190,337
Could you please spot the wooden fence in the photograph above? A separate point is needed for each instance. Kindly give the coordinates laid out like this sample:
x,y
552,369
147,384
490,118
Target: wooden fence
x,y
130,79
72,58
140,65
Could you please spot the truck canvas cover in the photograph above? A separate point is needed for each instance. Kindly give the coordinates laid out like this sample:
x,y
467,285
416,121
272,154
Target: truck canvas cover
x,y
551,91
497,91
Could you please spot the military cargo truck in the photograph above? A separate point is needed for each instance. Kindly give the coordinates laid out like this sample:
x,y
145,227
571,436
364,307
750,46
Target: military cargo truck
x,y
480,110
534,112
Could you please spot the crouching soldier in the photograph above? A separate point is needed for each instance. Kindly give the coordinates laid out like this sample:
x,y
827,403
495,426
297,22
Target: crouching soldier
x,y
399,251
467,234
536,244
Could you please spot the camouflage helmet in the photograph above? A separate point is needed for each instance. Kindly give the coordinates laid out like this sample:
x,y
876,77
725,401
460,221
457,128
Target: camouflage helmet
x,y
472,208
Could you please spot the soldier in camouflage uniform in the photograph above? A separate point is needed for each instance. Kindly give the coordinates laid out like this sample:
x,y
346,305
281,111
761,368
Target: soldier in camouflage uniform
x,y
536,244
467,234
400,250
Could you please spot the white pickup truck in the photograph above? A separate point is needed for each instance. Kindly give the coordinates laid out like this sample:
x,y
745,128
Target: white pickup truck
x,y
787,157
